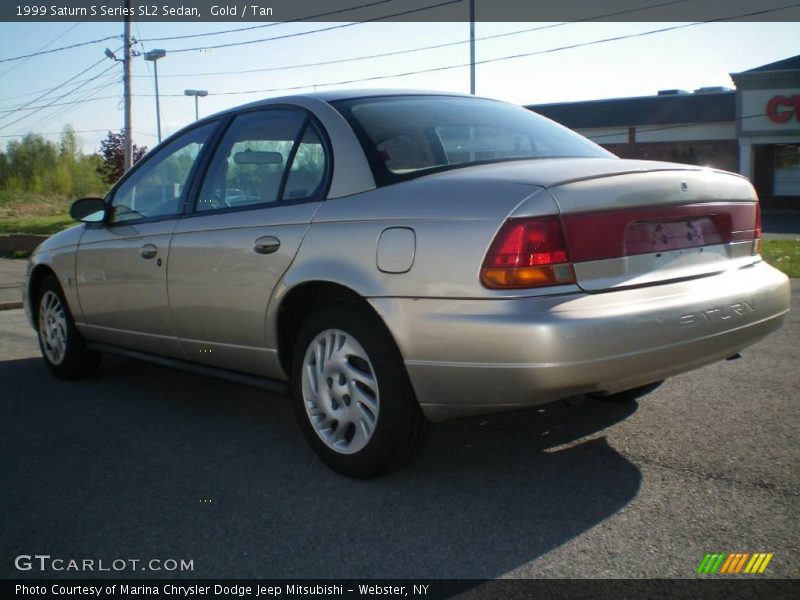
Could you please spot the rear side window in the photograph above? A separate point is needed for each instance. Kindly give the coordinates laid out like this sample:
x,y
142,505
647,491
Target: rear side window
x,y
264,158
307,172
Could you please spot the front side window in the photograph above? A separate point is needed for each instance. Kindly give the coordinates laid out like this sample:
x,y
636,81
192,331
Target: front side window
x,y
407,136
265,157
156,188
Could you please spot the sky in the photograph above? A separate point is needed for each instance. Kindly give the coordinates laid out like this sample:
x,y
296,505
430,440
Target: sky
x,y
685,58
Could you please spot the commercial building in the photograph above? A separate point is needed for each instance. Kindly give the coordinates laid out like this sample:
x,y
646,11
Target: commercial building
x,y
753,129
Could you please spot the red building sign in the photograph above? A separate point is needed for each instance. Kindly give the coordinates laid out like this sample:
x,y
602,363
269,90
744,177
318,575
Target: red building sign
x,y
776,103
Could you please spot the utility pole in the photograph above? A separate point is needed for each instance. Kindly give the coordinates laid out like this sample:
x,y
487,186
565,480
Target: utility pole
x,y
472,47
126,85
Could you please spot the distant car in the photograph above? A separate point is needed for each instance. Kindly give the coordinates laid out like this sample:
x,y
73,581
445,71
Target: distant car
x,y
400,257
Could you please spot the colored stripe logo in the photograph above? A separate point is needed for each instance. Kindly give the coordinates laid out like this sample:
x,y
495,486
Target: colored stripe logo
x,y
734,563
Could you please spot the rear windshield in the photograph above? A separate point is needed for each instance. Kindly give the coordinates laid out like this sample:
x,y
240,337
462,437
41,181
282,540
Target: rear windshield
x,y
408,136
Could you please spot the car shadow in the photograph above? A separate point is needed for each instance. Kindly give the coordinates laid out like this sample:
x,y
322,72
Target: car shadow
x,y
146,462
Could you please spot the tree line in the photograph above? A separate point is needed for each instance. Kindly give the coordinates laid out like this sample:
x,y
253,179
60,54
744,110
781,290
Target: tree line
x,y
59,168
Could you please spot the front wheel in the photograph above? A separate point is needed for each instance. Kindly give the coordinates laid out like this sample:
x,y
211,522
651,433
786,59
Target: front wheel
x,y
63,348
352,396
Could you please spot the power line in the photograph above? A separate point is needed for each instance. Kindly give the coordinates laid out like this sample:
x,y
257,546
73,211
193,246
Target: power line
x,y
54,132
502,58
23,117
331,28
236,30
54,40
88,94
141,41
448,67
14,108
370,56
60,113
41,52
53,89
365,57
67,103
423,48
176,37
590,137
73,131
33,93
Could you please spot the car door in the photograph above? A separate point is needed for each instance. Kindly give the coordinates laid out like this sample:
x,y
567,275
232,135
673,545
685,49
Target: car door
x,y
261,189
121,264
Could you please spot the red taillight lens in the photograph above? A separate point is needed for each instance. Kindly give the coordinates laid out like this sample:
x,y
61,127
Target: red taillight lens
x,y
528,253
757,231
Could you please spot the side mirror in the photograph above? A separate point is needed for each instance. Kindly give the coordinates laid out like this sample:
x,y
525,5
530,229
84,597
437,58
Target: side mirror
x,y
88,210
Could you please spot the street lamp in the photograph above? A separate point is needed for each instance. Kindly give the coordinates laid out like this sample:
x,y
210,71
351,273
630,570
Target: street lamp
x,y
153,56
197,94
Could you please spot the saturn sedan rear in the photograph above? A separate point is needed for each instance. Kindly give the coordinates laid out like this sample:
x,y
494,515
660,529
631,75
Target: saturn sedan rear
x,y
398,258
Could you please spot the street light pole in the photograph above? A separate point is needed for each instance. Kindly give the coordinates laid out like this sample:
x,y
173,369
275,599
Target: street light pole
x,y
197,94
153,56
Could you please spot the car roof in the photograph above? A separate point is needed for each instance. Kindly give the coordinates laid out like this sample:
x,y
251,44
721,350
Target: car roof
x,y
335,95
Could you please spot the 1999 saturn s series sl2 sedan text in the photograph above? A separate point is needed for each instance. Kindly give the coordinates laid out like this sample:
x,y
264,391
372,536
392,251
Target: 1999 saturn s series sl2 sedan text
x,y
399,257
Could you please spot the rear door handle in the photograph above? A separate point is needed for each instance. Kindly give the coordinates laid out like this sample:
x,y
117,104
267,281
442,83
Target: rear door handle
x,y
266,245
148,251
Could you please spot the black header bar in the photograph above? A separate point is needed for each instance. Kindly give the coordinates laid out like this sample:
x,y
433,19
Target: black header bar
x,y
256,11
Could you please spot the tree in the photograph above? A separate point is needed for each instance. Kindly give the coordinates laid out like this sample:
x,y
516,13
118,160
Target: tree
x,y
31,161
113,156
40,166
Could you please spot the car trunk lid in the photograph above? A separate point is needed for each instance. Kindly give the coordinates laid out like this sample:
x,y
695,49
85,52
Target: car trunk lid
x,y
644,228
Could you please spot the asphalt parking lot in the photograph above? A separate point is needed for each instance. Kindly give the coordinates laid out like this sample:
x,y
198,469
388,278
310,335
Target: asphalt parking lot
x,y
145,462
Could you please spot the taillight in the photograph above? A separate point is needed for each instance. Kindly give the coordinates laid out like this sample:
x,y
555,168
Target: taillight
x,y
526,253
757,231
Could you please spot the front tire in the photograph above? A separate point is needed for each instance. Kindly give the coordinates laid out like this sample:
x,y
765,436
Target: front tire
x,y
352,396
63,349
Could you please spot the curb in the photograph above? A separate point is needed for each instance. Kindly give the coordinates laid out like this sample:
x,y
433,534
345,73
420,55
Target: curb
x,y
10,305
20,242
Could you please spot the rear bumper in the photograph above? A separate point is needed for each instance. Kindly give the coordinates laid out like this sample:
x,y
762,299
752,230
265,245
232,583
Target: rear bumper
x,y
467,357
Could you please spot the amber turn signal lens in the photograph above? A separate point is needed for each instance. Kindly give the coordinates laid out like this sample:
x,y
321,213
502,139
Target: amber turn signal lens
x,y
525,277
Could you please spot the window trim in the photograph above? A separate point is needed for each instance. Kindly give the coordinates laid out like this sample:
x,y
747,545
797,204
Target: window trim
x,y
109,198
310,120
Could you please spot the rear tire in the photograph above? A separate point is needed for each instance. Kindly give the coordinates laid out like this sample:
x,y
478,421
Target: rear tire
x,y
352,396
63,349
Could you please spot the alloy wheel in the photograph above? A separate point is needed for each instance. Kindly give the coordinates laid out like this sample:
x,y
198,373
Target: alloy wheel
x,y
340,391
53,327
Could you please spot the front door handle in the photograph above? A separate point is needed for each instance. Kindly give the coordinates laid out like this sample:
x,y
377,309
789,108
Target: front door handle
x,y
148,251
266,245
